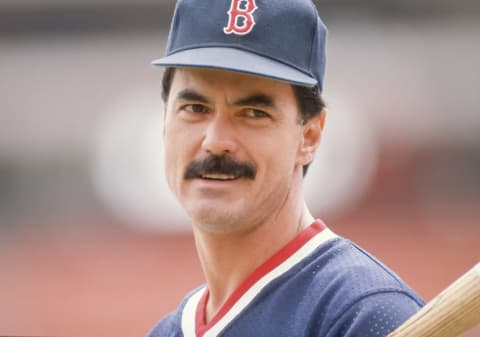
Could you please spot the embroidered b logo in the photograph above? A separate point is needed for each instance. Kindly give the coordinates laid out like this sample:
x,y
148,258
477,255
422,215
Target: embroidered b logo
x,y
240,18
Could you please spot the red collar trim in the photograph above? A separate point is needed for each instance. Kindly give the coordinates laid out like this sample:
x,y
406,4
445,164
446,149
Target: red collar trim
x,y
303,237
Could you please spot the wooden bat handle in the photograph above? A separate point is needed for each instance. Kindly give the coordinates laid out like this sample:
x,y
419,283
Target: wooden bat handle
x,y
452,312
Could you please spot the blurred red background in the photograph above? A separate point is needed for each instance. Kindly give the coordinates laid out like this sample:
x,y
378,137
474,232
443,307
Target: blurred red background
x,y
113,282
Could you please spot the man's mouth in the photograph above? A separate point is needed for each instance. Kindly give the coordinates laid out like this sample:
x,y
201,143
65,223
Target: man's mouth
x,y
218,176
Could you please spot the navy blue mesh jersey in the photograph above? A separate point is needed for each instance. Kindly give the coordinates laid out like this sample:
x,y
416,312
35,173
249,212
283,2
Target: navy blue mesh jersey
x,y
318,285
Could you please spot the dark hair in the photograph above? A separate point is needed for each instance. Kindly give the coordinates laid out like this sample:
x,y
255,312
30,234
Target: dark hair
x,y
309,100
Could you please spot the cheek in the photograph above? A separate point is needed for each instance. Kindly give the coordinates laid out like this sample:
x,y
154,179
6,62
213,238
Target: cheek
x,y
276,152
170,163
173,151
279,160
180,145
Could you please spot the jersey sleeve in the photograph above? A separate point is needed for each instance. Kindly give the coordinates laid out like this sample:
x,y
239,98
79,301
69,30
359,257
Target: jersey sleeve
x,y
375,315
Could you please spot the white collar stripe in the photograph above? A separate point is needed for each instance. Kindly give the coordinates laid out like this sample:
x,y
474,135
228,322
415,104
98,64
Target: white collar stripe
x,y
188,315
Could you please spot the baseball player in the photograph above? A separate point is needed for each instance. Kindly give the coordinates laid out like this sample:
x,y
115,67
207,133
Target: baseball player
x,y
243,119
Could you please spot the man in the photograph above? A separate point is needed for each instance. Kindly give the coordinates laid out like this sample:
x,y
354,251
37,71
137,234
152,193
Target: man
x,y
243,118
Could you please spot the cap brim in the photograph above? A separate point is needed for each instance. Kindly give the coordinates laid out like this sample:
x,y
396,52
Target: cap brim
x,y
236,60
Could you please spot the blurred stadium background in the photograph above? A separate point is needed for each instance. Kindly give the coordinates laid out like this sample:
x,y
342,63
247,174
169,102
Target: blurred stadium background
x,y
91,241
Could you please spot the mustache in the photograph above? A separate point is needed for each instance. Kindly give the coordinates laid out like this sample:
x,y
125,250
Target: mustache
x,y
220,165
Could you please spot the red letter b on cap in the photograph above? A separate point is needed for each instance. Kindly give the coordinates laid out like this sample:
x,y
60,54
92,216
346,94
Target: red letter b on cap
x,y
235,13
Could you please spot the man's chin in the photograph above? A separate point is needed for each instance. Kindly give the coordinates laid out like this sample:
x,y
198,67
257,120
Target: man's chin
x,y
216,222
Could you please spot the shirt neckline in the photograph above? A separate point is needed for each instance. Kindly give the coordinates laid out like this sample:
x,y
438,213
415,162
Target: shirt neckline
x,y
275,261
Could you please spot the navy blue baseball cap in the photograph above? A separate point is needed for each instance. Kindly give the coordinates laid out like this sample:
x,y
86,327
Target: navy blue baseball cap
x,y
279,39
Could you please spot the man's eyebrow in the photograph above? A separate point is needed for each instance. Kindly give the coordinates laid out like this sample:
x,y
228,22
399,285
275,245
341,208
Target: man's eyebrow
x,y
191,95
256,100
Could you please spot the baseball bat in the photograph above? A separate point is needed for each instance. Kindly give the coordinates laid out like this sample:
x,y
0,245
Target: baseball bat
x,y
452,312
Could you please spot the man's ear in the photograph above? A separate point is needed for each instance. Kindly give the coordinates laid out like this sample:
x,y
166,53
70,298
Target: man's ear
x,y
312,134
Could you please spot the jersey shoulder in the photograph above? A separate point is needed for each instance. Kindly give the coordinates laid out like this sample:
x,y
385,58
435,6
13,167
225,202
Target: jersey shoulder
x,y
360,296
171,324
354,273
377,314
168,326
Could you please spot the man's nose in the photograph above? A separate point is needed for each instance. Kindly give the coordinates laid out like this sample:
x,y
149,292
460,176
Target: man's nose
x,y
219,136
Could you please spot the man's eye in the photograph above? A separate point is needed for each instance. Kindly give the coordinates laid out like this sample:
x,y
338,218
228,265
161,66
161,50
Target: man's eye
x,y
195,108
255,113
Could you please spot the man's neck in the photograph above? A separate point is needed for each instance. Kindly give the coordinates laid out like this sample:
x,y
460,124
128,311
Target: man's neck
x,y
228,259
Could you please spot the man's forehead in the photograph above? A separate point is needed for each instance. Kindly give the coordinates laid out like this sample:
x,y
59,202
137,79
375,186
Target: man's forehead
x,y
205,79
